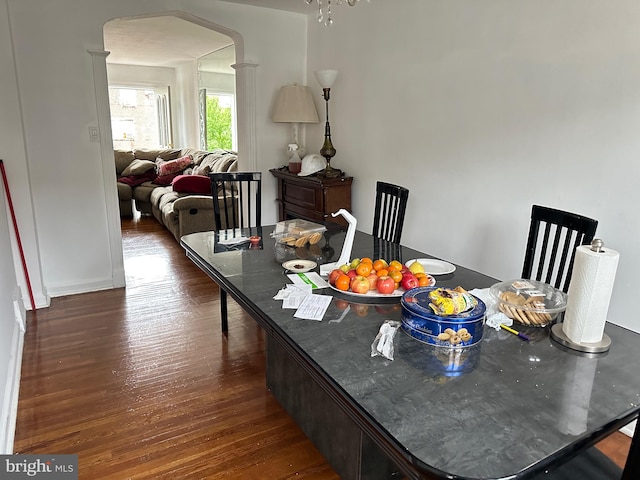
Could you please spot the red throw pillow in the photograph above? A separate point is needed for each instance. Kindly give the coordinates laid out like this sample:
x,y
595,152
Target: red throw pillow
x,y
165,180
192,184
172,166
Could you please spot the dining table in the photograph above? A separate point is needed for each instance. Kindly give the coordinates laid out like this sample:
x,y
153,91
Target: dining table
x,y
503,408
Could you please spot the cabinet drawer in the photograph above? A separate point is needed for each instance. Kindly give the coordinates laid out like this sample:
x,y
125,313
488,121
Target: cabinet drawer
x,y
302,196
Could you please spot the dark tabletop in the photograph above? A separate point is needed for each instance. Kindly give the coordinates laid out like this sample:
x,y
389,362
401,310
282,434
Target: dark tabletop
x,y
493,410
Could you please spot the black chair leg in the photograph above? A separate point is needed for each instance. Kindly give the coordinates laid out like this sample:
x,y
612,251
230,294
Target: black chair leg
x,y
223,311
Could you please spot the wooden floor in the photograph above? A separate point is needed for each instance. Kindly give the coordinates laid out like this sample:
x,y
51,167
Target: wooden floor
x,y
141,384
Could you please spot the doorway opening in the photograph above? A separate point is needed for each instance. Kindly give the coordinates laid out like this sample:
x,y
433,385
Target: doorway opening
x,y
154,63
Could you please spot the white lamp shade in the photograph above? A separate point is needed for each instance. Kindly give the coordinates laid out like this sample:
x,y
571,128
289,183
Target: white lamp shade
x,y
326,77
295,105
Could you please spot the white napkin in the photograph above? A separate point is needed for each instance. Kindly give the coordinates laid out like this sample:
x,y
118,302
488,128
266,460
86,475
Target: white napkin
x,y
293,295
233,241
494,316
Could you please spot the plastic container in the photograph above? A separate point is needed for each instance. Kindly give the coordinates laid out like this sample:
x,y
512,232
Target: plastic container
x,y
529,302
298,232
295,163
452,331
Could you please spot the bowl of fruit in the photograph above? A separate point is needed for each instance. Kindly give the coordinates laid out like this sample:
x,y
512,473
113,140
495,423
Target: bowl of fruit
x,y
378,278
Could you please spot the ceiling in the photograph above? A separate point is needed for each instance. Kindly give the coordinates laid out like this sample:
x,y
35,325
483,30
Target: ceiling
x,y
167,41
163,41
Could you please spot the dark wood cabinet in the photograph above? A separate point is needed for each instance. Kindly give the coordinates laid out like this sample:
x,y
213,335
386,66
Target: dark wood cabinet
x,y
313,198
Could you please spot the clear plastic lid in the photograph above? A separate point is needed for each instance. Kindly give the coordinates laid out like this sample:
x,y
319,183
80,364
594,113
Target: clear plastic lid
x,y
530,295
529,302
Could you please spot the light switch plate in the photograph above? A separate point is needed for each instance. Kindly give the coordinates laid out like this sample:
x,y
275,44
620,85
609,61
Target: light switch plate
x,y
94,135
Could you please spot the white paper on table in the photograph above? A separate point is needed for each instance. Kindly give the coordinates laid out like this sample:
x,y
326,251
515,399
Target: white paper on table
x,y
308,278
313,307
293,295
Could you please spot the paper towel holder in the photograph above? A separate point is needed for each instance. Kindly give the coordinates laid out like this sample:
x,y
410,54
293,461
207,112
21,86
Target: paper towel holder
x,y
559,336
597,347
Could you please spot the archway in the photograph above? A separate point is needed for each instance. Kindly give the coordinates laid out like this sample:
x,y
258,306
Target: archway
x,y
245,100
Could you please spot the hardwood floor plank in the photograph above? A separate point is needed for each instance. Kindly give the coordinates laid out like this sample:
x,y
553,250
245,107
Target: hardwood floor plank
x,y
141,384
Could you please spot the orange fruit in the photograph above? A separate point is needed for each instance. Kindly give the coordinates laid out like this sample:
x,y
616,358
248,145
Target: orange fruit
x,y
424,281
364,268
383,272
366,260
396,275
395,265
343,282
380,264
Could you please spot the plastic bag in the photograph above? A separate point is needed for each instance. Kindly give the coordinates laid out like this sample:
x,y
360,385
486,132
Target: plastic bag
x,y
383,343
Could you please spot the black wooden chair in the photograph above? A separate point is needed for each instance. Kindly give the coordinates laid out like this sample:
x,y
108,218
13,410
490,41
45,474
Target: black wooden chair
x,y
391,203
237,204
554,259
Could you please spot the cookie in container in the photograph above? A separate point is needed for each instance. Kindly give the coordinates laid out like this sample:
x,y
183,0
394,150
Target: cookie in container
x,y
298,232
529,302
443,317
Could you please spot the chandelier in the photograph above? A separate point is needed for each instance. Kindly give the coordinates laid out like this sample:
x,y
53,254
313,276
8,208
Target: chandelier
x,y
324,8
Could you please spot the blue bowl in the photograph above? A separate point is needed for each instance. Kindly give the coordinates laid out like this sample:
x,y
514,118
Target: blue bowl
x,y
451,331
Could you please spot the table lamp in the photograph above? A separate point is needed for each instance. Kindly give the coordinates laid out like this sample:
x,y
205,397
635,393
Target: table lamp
x,y
325,79
295,105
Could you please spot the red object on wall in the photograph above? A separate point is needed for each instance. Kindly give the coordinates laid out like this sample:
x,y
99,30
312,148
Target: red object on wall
x,y
15,229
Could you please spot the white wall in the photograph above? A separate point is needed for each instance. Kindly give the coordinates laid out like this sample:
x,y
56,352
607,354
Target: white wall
x,y
218,82
482,109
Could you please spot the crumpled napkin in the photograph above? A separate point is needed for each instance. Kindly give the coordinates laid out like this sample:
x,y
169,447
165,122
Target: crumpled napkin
x,y
494,316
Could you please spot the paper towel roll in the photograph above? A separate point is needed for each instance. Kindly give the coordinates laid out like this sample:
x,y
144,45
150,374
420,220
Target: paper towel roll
x,y
589,294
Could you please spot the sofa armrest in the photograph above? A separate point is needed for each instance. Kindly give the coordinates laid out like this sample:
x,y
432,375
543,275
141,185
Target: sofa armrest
x,y
198,202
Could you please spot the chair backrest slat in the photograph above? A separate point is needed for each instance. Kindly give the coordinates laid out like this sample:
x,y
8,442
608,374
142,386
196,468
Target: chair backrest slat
x,y
389,211
240,195
556,261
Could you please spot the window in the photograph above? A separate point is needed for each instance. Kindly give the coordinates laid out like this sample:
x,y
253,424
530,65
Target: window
x,y
217,111
140,117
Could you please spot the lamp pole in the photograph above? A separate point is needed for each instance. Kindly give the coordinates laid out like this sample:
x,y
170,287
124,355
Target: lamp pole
x,y
327,150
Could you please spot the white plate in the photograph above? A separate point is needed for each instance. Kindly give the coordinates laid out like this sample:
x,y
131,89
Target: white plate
x,y
299,266
433,266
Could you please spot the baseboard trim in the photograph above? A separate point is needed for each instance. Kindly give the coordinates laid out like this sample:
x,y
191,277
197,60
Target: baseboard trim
x,y
12,388
84,287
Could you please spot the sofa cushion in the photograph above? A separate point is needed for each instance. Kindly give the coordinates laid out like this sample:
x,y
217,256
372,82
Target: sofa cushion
x,y
216,161
164,168
157,193
122,159
192,184
168,154
138,167
124,191
197,155
202,170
